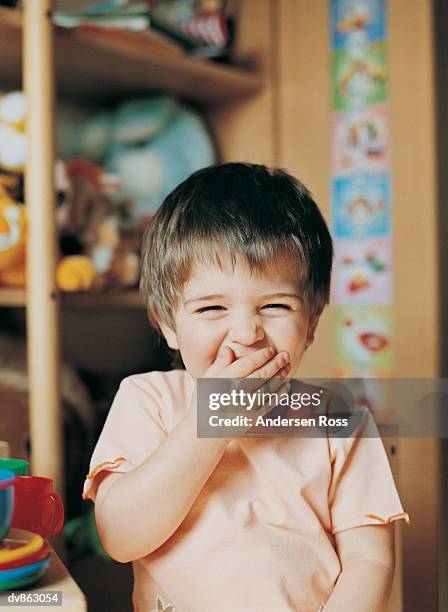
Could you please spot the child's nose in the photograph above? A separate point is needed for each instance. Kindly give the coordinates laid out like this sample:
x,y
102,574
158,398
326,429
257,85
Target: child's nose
x,y
247,330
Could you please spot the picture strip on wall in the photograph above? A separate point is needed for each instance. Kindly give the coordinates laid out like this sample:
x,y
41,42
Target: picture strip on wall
x,y
361,199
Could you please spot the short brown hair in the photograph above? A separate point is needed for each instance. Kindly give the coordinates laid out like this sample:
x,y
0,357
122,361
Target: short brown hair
x,y
241,209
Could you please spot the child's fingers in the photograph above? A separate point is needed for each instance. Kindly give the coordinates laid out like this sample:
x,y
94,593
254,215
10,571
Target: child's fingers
x,y
272,367
222,361
225,357
225,366
275,368
248,365
284,371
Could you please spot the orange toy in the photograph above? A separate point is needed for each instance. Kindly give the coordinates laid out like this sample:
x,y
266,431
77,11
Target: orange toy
x,y
12,241
75,273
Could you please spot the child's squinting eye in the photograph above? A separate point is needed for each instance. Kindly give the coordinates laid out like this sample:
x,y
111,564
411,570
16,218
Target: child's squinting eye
x,y
277,306
210,308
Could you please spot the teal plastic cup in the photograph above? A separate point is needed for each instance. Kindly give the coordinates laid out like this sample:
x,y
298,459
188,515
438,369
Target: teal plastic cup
x,y
19,467
6,501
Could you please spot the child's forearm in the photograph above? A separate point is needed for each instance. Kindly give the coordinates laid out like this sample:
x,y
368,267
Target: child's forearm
x,y
144,507
364,587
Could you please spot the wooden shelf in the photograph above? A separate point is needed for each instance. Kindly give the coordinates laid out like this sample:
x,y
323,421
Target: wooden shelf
x,y
12,297
90,65
120,299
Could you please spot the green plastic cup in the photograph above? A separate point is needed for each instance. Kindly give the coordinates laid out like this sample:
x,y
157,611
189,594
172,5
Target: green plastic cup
x,y
20,467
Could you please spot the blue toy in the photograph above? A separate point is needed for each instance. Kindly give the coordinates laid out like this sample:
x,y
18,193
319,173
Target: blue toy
x,y
152,144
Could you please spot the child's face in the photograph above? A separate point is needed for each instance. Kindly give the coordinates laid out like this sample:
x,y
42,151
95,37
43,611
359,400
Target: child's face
x,y
245,318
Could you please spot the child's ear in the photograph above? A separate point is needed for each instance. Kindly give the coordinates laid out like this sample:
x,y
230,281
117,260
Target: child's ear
x,y
311,330
169,335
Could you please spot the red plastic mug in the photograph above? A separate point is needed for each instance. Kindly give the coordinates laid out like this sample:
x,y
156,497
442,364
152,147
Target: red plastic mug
x,y
36,507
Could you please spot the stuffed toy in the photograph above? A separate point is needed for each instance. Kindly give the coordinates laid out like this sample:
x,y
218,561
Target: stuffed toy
x,y
75,273
12,239
13,144
13,155
149,170
122,164
97,252
150,144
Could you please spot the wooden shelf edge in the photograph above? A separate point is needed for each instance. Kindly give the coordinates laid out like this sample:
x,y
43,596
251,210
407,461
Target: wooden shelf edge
x,y
11,17
16,297
92,65
12,296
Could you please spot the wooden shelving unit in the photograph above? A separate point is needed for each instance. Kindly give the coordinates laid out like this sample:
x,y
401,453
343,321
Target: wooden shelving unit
x,y
90,65
86,65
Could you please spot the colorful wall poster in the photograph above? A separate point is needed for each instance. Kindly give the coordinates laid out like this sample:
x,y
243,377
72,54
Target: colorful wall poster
x,y
359,53
359,82
361,191
361,140
362,272
348,16
361,205
363,341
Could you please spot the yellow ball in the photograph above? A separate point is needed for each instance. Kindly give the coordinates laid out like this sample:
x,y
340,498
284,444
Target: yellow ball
x,y
75,273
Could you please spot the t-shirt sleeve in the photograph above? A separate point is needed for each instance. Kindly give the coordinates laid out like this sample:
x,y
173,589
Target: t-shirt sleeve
x,y
133,430
362,489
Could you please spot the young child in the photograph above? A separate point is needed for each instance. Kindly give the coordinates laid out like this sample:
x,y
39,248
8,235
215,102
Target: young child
x,y
236,272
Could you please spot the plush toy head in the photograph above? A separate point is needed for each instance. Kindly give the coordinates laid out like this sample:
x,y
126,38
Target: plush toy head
x,y
138,121
150,169
13,143
150,144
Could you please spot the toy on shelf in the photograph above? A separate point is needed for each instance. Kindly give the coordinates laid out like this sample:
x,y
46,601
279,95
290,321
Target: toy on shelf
x,y
13,155
201,26
119,166
149,169
150,144
196,26
75,273
13,143
97,252
12,239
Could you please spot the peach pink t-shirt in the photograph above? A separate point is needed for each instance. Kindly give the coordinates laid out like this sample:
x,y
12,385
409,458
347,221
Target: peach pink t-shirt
x,y
259,537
